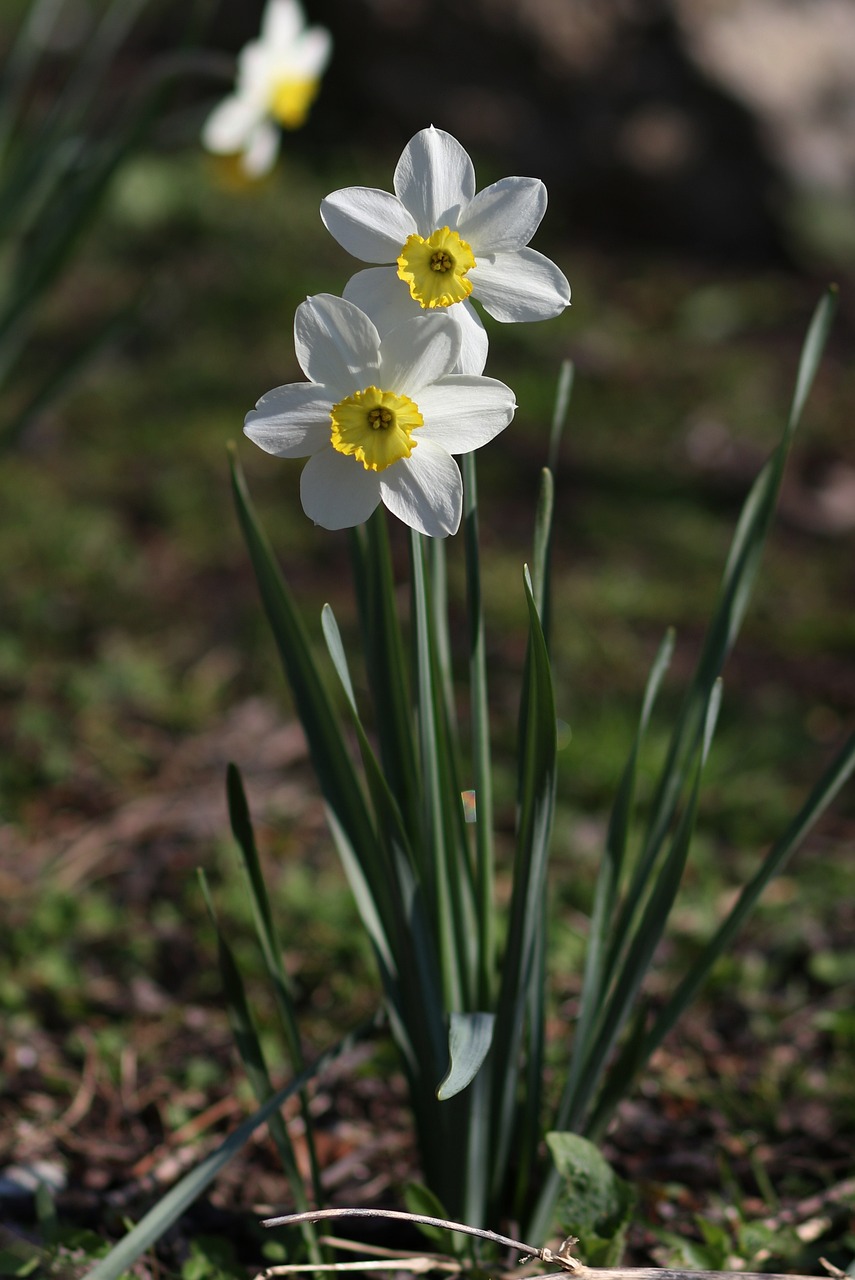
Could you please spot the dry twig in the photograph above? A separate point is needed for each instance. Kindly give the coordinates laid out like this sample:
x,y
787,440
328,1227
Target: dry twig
x,y
571,1267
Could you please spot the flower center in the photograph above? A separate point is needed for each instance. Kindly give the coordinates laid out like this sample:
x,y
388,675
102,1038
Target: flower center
x,y
435,269
290,99
375,427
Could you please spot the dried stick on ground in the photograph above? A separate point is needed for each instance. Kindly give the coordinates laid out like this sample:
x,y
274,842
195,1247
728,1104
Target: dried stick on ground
x,y
571,1268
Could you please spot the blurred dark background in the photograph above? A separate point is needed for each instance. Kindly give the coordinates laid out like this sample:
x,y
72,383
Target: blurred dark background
x,y
684,125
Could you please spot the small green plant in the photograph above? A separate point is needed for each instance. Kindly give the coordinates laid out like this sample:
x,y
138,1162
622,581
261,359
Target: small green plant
x,y
408,789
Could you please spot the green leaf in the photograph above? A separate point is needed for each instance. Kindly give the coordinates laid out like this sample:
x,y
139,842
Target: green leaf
x,y
595,1204
252,1056
536,805
542,545
563,393
598,976
823,793
642,942
387,887
268,941
469,1038
441,864
336,773
738,580
420,1200
479,706
386,665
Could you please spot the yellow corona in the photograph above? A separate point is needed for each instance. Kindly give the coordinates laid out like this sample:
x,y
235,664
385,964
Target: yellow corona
x,y
375,427
435,269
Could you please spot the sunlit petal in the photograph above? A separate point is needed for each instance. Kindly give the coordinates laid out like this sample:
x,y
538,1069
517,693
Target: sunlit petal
x,y
463,413
336,491
370,224
291,421
418,352
504,215
518,286
382,296
434,179
425,491
336,344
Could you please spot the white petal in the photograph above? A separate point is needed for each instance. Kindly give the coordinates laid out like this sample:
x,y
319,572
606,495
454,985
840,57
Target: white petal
x,y
282,22
311,53
229,125
435,179
382,296
463,413
387,300
336,344
262,148
522,285
370,224
336,490
290,421
425,490
417,353
504,215
256,73
475,344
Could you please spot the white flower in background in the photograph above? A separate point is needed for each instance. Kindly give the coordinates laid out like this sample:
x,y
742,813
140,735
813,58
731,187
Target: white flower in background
x,y
447,243
379,421
278,78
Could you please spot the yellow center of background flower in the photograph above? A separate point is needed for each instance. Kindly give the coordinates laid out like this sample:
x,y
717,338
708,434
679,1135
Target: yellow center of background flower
x,y
435,269
290,100
375,427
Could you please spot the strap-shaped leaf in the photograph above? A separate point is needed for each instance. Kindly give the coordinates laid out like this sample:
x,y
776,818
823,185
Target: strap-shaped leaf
x,y
482,768
268,941
335,769
598,975
536,799
386,664
470,1036
387,889
252,1056
737,583
647,934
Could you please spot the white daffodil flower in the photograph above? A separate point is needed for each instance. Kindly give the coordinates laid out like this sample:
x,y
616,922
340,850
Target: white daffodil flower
x,y
447,243
379,421
278,78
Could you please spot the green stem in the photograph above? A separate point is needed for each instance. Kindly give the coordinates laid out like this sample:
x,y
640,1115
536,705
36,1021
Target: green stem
x,y
435,841
481,759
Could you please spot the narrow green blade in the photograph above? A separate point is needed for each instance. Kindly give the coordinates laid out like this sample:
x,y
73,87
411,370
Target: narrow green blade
x,y
646,936
598,976
336,773
252,1056
469,1038
479,705
386,665
821,796
268,941
737,583
536,799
